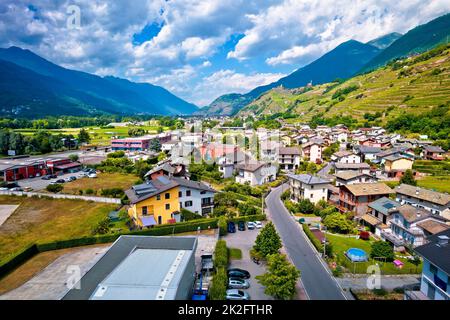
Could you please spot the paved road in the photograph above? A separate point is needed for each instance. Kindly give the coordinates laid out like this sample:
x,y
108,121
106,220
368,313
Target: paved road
x,y
324,171
318,282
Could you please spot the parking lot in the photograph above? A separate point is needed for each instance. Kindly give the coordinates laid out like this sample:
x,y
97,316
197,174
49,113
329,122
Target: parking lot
x,y
38,184
244,240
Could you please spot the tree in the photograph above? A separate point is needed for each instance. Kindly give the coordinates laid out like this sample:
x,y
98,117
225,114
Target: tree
x,y
73,157
337,222
305,206
155,145
281,279
162,156
268,241
382,249
83,136
408,178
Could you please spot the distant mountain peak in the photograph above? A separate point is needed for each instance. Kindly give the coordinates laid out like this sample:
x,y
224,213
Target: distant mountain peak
x,y
384,41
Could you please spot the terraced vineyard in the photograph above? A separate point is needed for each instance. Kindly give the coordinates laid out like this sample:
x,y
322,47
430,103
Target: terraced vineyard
x,y
412,85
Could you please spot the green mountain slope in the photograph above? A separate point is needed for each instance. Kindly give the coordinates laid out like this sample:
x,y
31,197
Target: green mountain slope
x,y
80,91
413,85
417,40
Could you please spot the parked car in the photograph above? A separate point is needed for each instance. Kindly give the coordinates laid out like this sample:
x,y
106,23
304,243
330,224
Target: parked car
x,y
16,189
234,294
72,178
258,224
47,177
27,189
53,176
60,181
238,273
241,226
238,283
231,227
251,225
92,175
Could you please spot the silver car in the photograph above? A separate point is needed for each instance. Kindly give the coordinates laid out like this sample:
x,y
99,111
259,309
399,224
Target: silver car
x,y
238,283
235,294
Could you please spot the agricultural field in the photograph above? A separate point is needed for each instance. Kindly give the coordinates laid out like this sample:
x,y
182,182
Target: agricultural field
x,y
103,181
99,135
44,220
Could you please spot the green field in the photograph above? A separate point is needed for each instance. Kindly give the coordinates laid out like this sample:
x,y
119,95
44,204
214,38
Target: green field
x,y
46,220
99,136
341,244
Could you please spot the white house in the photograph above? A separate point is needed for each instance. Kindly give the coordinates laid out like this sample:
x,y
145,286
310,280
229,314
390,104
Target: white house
x,y
432,201
312,151
345,157
195,196
255,173
289,158
351,177
307,186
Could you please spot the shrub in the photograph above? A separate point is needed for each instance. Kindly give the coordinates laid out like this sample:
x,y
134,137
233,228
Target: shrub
x,y
102,227
221,254
89,191
187,215
113,192
55,188
382,249
222,223
312,238
337,222
219,284
364,235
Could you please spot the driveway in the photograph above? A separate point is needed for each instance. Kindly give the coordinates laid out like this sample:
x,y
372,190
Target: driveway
x,y
319,284
324,171
244,240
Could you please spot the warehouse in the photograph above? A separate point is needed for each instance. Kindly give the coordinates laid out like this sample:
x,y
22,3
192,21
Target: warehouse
x,y
141,268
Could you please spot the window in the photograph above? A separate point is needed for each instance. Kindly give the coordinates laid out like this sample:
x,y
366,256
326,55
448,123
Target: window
x,y
167,196
144,211
180,194
167,206
159,220
188,193
433,269
158,197
202,192
312,195
188,204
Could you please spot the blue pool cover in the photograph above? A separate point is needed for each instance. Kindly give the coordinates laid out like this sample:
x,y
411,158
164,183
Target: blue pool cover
x,y
356,255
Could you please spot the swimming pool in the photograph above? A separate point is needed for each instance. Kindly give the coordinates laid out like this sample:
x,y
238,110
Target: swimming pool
x,y
356,255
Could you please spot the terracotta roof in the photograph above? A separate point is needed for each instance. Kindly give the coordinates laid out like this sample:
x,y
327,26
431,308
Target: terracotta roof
x,y
361,189
433,226
424,194
348,175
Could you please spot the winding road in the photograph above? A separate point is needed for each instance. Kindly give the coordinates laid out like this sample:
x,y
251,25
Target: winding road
x,y
319,284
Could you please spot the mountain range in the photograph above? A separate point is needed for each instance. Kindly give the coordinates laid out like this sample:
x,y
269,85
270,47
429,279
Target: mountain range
x,y
31,86
346,60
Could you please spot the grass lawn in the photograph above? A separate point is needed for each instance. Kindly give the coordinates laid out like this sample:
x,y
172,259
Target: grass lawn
x,y
235,253
103,181
438,183
47,220
341,244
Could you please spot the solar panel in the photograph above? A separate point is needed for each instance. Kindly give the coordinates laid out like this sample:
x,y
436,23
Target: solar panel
x,y
388,205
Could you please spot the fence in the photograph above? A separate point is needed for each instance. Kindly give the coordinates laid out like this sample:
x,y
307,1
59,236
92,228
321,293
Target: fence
x,y
61,196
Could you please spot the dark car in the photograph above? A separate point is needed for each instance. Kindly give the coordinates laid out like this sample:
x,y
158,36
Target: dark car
x,y
241,226
53,176
72,178
60,181
231,227
238,273
47,177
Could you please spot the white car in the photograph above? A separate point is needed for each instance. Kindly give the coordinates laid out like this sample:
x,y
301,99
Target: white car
x,y
234,294
258,224
238,283
251,225
92,175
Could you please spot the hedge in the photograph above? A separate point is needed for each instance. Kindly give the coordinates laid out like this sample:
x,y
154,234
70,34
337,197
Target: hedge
x,y
221,255
313,239
180,227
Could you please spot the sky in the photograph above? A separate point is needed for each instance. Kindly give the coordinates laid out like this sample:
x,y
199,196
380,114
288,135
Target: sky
x,y
200,50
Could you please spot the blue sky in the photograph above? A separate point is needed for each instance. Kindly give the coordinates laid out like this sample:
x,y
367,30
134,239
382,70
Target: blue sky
x,y
200,50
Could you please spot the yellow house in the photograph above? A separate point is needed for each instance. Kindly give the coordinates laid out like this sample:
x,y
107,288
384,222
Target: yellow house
x,y
154,202
396,165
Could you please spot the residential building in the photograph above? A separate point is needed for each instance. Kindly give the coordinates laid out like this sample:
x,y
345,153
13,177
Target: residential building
x,y
154,202
307,186
396,151
195,196
167,169
396,165
367,152
132,144
356,197
355,167
378,216
312,151
345,157
352,177
256,173
406,226
433,201
141,268
269,150
433,153
435,279
289,158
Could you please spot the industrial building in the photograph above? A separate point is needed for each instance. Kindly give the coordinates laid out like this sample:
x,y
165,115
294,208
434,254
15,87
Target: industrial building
x,y
141,268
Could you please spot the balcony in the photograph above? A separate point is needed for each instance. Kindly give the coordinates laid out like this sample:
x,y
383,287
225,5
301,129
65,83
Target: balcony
x,y
398,242
207,204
